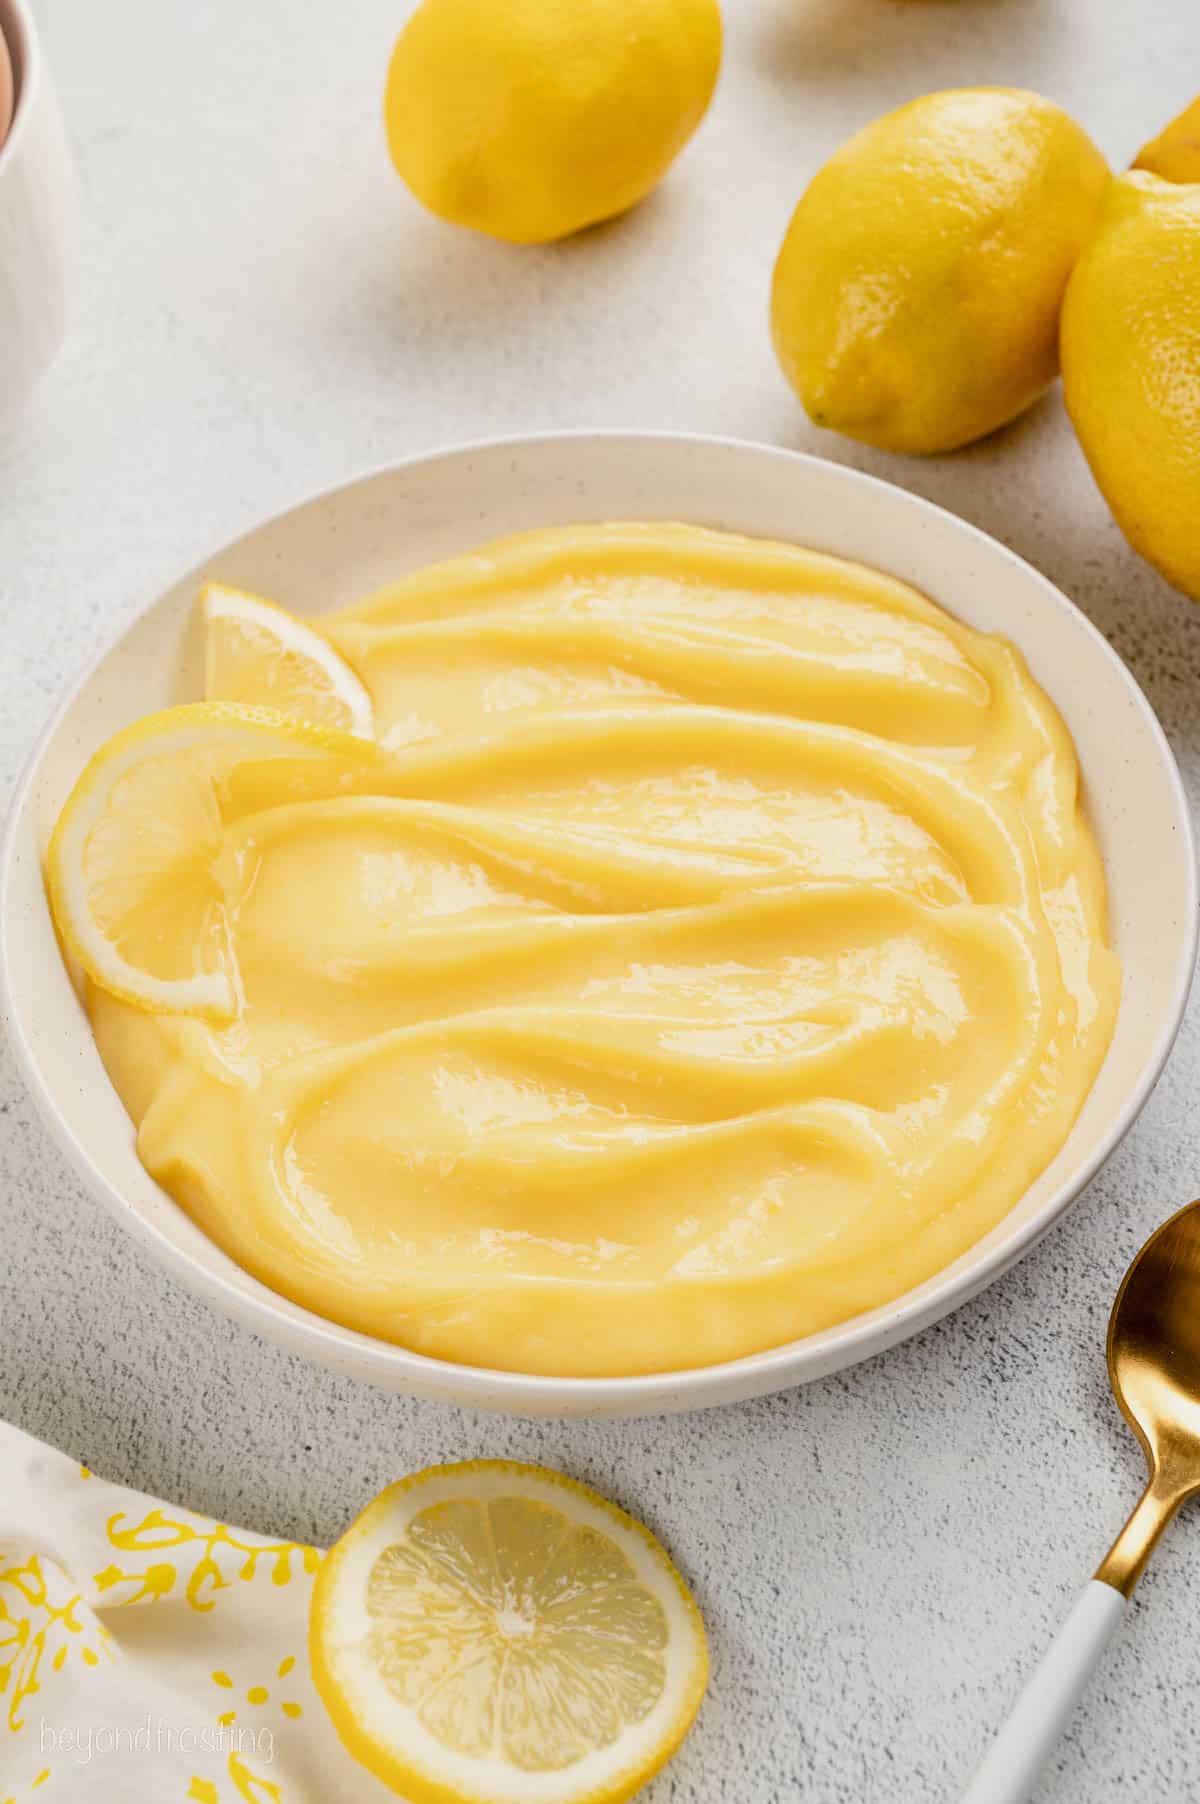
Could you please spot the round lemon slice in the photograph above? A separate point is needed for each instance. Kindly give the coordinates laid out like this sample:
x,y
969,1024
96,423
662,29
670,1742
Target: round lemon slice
x,y
257,652
131,865
499,1634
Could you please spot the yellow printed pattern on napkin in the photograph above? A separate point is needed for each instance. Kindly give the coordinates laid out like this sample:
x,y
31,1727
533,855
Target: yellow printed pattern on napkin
x,y
148,1653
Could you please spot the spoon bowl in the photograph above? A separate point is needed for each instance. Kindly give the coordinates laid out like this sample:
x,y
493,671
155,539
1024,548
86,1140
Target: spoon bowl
x,y
1154,1370
1154,1344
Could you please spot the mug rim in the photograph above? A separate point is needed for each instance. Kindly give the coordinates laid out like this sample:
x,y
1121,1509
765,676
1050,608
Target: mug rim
x,y
17,29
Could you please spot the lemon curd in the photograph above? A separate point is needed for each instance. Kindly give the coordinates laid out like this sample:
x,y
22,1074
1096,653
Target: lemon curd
x,y
713,947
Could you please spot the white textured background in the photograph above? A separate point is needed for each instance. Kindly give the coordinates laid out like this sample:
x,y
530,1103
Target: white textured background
x,y
265,311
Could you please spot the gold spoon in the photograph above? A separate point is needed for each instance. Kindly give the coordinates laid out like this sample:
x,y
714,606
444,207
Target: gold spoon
x,y
1154,1370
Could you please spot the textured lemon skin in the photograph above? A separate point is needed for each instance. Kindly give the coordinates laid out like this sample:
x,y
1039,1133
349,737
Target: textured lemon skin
x,y
530,119
414,1782
1175,153
1131,368
916,297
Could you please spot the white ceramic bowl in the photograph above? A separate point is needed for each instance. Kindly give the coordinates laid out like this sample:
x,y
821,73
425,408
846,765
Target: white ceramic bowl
x,y
38,217
352,539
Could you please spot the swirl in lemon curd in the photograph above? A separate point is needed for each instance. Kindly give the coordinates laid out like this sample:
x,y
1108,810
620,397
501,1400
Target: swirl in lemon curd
x,y
724,955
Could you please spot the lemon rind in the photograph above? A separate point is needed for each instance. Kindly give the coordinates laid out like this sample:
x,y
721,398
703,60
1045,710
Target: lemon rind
x,y
212,994
220,602
418,1779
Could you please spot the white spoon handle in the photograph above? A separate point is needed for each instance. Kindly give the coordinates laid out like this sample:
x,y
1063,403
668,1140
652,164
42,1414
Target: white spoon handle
x,y
1040,1714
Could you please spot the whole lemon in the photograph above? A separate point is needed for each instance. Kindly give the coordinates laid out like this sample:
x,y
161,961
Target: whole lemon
x,y
1175,152
916,296
1131,367
528,119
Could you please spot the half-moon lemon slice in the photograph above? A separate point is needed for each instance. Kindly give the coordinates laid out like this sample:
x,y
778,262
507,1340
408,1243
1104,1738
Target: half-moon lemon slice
x,y
131,868
257,652
493,1633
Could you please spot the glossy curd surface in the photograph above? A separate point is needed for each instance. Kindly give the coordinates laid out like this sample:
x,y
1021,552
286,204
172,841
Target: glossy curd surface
x,y
723,953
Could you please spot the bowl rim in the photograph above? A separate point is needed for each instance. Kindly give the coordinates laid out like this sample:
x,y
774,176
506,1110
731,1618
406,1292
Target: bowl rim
x,y
771,1370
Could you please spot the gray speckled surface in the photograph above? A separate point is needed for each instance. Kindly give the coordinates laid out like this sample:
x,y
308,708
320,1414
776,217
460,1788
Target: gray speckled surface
x,y
880,1555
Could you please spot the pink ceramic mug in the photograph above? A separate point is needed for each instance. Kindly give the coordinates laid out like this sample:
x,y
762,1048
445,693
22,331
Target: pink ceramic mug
x,y
7,90
38,215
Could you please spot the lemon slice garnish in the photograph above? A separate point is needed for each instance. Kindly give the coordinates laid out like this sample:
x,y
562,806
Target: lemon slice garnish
x,y
257,652
499,1634
131,866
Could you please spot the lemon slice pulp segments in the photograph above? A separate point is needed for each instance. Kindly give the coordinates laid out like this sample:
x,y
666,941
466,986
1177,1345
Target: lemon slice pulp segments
x,y
257,652
130,865
493,1633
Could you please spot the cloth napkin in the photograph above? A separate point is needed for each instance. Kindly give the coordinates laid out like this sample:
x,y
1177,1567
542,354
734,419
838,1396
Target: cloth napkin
x,y
147,1653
